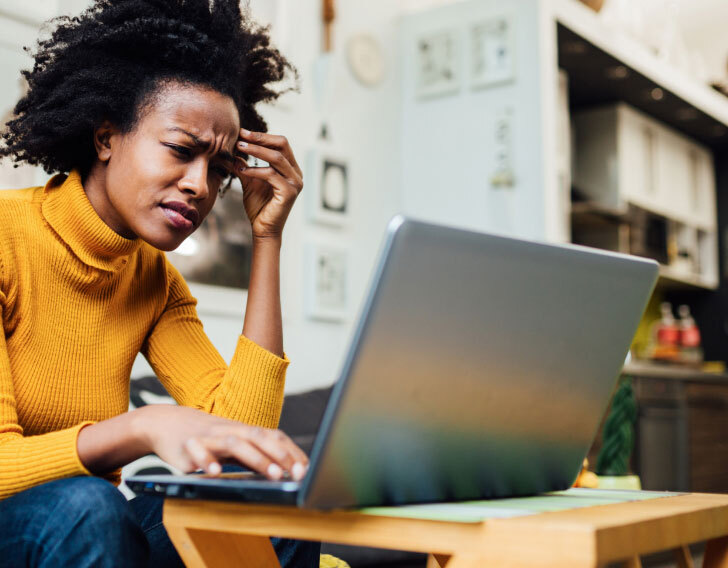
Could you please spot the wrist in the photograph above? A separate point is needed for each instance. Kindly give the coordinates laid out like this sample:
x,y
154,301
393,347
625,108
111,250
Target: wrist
x,y
142,429
268,241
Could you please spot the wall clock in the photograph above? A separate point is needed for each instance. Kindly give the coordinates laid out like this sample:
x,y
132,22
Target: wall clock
x,y
366,59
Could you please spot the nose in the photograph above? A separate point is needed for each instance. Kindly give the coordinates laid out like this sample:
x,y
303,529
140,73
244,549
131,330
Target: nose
x,y
194,182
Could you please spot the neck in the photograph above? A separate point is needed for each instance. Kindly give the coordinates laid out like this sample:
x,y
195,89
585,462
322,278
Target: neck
x,y
96,188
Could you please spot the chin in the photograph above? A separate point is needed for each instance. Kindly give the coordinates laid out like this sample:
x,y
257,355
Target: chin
x,y
163,240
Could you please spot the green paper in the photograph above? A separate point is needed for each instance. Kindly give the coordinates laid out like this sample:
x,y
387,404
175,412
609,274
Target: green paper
x,y
478,511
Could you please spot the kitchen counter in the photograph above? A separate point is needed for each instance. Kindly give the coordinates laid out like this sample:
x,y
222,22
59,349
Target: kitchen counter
x,y
667,371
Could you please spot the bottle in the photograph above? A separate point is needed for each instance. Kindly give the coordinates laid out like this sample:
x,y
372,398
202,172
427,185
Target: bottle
x,y
690,350
667,336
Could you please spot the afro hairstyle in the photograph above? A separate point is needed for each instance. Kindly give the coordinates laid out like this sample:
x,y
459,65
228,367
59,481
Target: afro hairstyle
x,y
108,62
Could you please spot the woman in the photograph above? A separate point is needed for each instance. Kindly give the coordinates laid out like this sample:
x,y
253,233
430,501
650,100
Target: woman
x,y
142,103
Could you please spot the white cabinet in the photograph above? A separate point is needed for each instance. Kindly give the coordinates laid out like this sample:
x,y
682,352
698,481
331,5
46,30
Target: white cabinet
x,y
657,159
623,157
625,160
637,158
702,197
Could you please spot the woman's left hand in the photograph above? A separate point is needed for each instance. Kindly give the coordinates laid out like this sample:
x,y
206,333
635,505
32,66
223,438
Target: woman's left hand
x,y
268,192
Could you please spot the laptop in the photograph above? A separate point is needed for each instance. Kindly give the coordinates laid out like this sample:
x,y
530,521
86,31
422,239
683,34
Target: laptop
x,y
480,367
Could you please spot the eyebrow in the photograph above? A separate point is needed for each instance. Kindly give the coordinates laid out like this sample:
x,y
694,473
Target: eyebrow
x,y
200,143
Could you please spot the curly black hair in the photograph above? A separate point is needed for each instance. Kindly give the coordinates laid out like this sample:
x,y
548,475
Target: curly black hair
x,y
108,63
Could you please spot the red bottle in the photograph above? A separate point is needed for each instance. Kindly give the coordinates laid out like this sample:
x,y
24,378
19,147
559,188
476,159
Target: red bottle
x,y
690,350
667,336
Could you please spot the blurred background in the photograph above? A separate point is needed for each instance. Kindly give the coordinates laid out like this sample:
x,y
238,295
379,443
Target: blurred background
x,y
602,123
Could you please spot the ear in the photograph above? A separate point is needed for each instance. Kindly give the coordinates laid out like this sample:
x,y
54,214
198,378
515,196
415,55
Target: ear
x,y
103,140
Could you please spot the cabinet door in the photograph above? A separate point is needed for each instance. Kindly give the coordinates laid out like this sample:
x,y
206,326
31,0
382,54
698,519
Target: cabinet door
x,y
708,428
702,188
637,157
674,176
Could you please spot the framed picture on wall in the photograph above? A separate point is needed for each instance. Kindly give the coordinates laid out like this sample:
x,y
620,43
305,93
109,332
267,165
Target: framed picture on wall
x,y
328,198
437,64
326,282
218,253
493,52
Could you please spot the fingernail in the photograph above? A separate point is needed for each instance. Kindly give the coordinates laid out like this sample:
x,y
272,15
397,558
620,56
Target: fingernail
x,y
215,468
242,144
274,471
245,132
298,470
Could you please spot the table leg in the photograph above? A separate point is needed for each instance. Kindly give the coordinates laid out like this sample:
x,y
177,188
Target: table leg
x,y
716,553
437,560
210,549
183,543
683,557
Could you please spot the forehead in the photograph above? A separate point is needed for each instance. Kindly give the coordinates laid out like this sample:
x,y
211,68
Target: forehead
x,y
204,112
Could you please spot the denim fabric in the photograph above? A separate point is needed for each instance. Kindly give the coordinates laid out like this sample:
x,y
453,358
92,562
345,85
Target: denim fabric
x,y
86,521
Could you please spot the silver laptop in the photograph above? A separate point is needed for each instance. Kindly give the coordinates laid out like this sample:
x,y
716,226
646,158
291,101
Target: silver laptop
x,y
480,367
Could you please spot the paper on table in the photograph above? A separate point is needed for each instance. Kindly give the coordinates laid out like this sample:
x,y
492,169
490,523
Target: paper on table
x,y
477,511
619,495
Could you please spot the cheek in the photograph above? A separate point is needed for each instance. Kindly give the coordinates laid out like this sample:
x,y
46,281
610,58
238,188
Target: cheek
x,y
138,177
209,203
152,162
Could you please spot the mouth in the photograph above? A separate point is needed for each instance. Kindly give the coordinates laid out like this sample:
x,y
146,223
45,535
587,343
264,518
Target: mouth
x,y
180,215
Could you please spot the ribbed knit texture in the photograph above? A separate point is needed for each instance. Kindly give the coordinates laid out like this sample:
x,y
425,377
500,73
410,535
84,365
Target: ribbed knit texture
x,y
78,302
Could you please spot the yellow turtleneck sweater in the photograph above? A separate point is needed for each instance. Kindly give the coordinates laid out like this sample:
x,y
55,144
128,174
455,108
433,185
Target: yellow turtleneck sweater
x,y
77,303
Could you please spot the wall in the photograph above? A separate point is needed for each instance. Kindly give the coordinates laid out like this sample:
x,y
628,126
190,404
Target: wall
x,y
403,155
702,26
14,34
449,150
363,125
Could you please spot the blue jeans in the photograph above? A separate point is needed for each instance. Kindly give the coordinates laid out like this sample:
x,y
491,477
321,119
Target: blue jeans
x,y
86,521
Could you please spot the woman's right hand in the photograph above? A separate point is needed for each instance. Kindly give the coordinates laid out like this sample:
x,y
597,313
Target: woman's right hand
x,y
191,439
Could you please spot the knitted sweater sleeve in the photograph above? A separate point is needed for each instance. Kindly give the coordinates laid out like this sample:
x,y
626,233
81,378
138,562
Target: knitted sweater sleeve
x,y
249,390
26,461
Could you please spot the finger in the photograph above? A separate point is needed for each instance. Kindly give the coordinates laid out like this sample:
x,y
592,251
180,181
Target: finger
x,y
299,468
272,444
298,454
201,457
275,158
286,188
271,141
270,452
249,455
277,444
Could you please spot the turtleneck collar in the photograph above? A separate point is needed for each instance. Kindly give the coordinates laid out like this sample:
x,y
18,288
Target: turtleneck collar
x,y
68,210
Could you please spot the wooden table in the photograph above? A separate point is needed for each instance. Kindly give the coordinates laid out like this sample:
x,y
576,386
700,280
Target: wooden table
x,y
216,534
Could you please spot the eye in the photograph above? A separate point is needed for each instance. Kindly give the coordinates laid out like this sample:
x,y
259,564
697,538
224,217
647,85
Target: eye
x,y
180,150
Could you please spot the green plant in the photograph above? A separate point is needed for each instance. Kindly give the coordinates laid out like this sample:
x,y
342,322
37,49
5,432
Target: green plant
x,y
618,434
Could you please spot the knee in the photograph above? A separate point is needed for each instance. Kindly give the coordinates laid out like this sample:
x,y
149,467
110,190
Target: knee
x,y
94,522
94,508
93,500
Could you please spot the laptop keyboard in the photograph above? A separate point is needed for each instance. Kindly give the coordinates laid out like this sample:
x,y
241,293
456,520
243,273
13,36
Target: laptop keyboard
x,y
245,475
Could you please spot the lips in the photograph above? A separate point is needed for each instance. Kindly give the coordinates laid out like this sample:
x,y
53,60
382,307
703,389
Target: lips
x,y
180,214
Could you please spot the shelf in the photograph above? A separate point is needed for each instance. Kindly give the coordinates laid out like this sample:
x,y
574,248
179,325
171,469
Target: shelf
x,y
597,226
606,66
674,279
592,209
670,371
